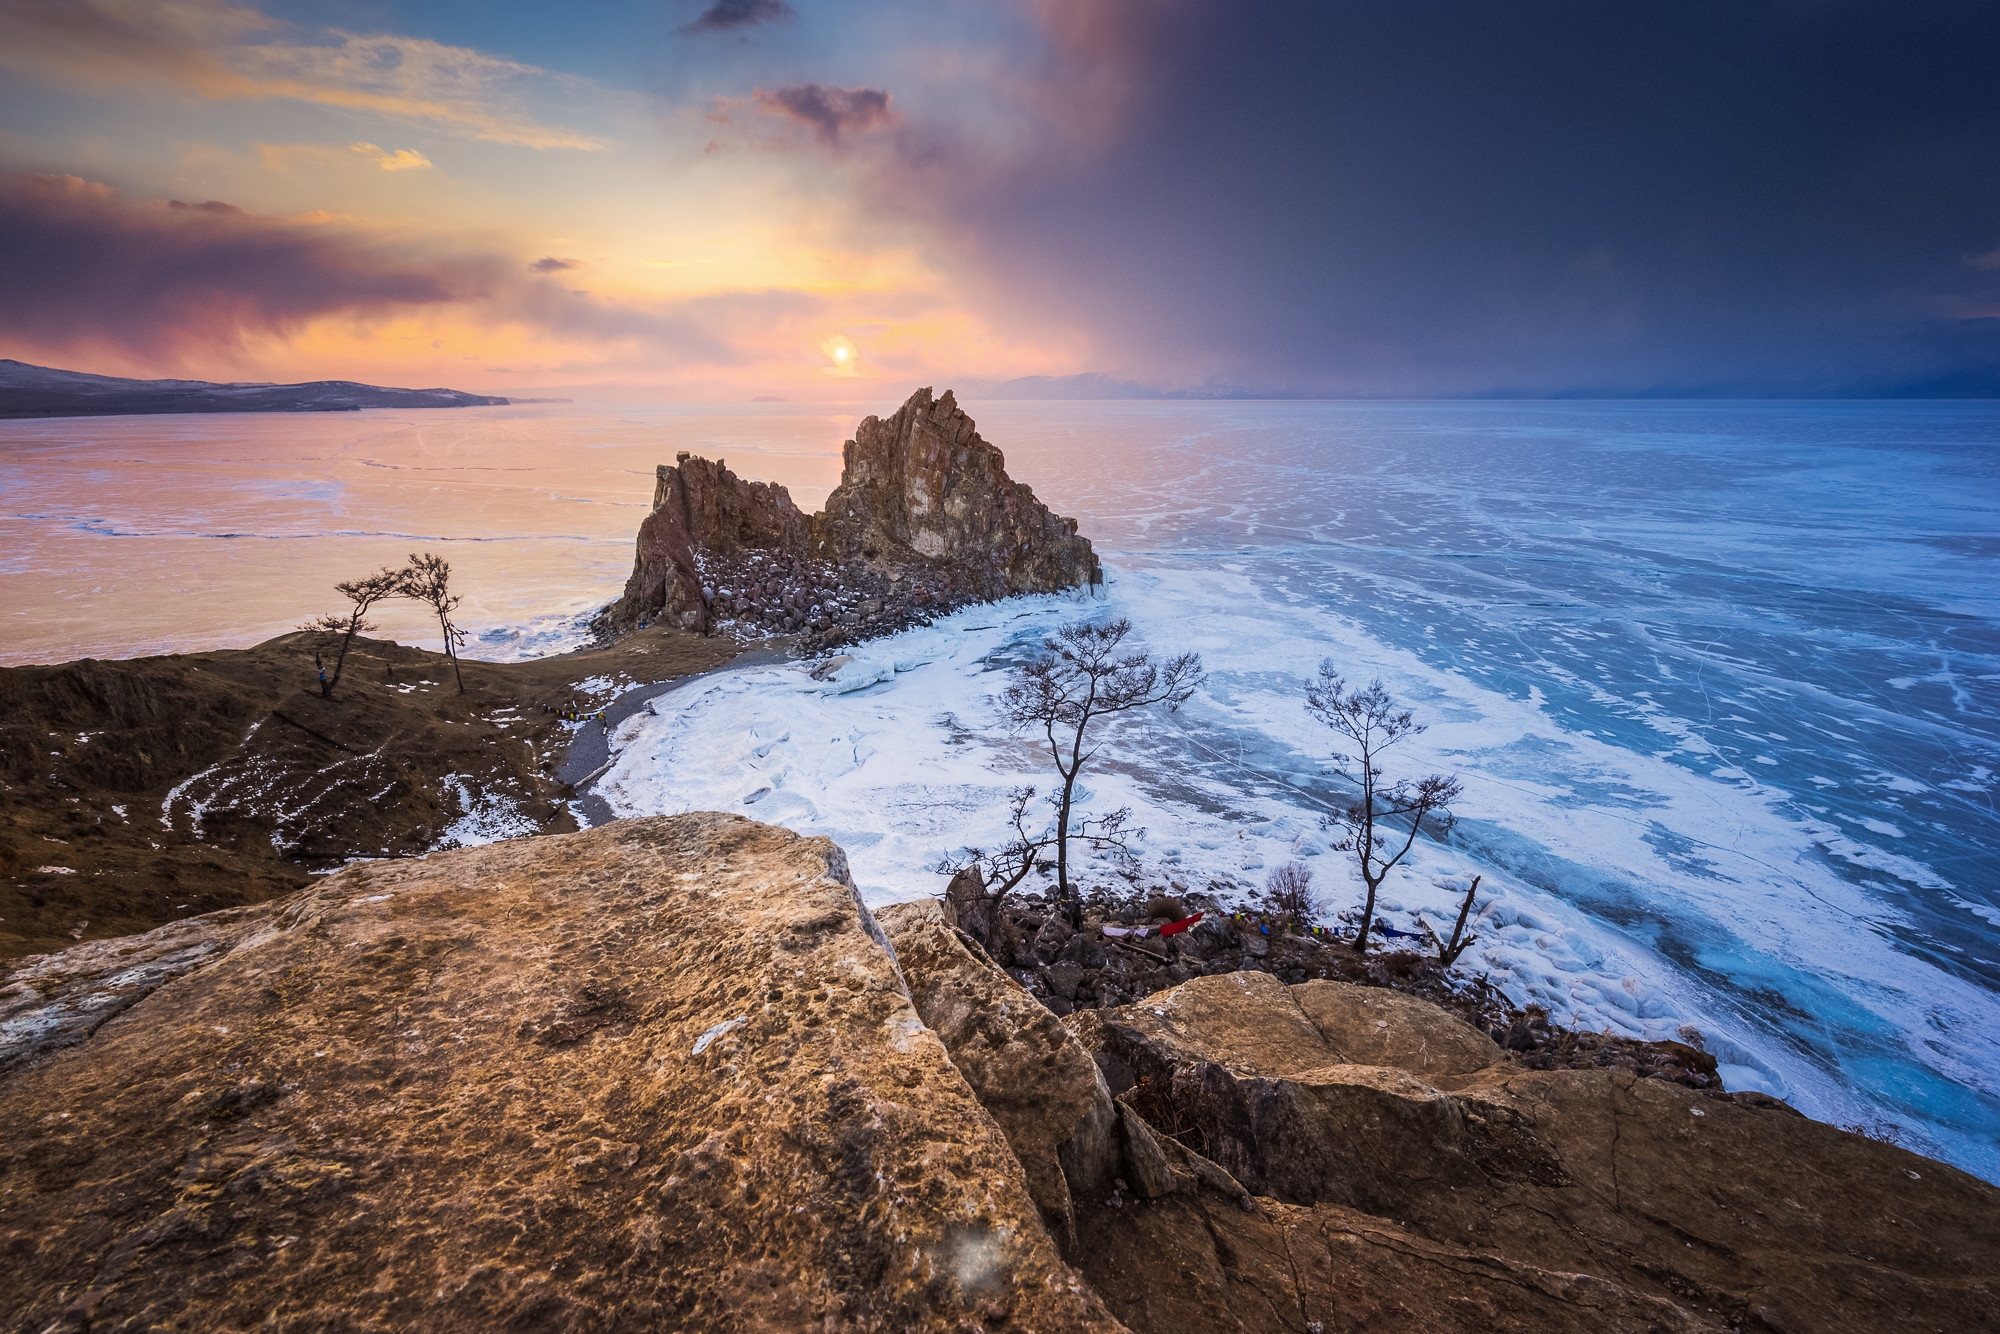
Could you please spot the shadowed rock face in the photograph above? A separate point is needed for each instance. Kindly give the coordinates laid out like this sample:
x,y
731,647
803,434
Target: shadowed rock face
x,y
701,507
658,1075
925,518
1410,1178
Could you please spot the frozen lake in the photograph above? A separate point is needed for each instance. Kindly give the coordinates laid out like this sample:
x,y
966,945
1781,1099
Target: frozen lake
x,y
1722,679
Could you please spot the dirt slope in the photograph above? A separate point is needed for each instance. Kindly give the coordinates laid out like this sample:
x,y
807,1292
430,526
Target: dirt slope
x,y
138,792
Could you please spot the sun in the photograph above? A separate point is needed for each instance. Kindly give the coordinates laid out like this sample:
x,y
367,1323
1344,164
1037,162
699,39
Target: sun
x,y
840,350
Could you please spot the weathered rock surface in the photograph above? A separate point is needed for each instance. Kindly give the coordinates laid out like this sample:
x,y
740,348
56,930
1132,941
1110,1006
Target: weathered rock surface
x,y
670,1074
1042,1088
659,1075
1434,1193
925,519
1076,1144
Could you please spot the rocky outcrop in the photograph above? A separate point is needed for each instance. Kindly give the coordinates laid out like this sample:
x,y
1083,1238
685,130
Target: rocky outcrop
x,y
1075,1143
670,1074
1410,1178
658,1075
925,519
700,507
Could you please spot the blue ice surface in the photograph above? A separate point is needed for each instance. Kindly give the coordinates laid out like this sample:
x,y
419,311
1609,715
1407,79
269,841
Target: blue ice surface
x,y
1793,603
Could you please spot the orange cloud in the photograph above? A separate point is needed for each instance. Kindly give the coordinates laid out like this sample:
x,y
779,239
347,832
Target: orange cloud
x,y
403,159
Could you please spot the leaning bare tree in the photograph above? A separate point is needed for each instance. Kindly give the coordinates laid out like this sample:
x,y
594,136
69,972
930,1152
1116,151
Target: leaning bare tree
x,y
428,580
1084,676
1371,721
1460,942
362,594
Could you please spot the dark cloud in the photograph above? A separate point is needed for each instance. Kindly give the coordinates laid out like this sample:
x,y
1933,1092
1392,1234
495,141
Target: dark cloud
x,y
83,268
830,111
550,264
1456,196
729,15
79,264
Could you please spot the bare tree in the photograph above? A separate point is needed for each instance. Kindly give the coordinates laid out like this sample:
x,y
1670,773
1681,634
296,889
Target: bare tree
x,y
1370,720
428,580
363,594
1083,677
981,880
1289,892
1448,951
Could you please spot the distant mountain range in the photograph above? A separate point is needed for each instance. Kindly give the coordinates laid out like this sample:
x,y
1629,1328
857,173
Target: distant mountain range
x,y
42,391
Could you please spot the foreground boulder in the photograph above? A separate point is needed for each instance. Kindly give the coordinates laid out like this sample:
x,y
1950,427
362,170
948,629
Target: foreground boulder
x,y
1410,1178
925,519
662,1074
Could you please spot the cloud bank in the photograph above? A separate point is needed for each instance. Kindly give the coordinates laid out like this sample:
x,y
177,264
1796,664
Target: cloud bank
x,y
171,282
1452,196
224,53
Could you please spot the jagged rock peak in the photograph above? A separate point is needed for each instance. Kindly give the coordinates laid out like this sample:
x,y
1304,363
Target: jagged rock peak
x,y
701,506
924,485
920,492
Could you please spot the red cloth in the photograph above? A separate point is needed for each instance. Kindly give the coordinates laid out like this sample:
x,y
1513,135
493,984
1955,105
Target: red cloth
x,y
1175,928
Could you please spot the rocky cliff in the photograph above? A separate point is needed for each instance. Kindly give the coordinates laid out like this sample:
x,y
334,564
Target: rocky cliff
x,y
671,1074
1325,1156
925,518
923,486
702,512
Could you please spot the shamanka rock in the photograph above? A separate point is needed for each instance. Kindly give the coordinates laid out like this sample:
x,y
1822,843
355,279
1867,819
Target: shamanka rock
x,y
925,519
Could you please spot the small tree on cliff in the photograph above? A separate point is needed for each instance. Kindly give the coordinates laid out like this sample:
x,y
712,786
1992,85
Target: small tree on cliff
x,y
1083,677
982,880
362,594
428,580
1370,720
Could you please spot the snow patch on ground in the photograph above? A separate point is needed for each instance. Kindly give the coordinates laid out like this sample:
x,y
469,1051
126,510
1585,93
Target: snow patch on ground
x,y
487,817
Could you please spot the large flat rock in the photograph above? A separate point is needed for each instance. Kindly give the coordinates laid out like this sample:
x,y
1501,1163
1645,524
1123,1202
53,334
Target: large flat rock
x,y
659,1075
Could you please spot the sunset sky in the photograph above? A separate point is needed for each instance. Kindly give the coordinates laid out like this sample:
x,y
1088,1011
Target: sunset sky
x,y
725,198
